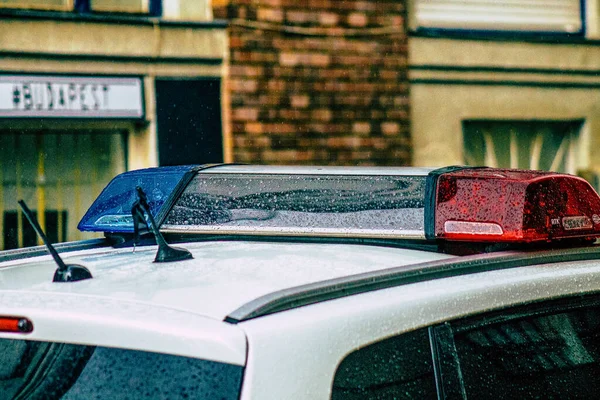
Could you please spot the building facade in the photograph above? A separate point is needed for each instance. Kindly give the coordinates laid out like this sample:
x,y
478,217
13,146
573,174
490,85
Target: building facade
x,y
506,84
90,88
318,81
502,83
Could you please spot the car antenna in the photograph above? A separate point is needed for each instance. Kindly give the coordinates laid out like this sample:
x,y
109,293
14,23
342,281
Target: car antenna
x,y
165,252
65,272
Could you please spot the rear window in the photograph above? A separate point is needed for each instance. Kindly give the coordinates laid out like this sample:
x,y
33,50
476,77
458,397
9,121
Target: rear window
x,y
46,370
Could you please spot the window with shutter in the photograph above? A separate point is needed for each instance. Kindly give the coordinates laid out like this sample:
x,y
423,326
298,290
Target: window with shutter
x,y
563,16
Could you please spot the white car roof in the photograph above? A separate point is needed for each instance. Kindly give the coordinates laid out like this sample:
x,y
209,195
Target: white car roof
x,y
222,277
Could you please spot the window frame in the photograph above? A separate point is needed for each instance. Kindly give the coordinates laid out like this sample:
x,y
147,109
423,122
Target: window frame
x,y
584,18
442,346
447,370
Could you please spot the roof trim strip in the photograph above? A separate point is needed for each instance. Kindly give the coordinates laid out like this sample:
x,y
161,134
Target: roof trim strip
x,y
304,295
36,251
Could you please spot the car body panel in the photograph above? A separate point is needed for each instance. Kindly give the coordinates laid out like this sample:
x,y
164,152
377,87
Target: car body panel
x,y
101,321
294,354
223,276
288,309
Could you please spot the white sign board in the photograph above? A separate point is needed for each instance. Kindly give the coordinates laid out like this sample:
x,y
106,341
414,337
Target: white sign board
x,y
38,96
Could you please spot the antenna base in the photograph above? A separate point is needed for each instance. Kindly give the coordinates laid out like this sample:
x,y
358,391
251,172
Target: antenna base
x,y
167,253
72,273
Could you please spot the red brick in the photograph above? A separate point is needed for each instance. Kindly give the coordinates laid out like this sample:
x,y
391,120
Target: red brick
x,y
358,19
291,59
313,59
365,5
241,85
294,114
270,3
245,114
397,114
361,128
322,114
254,142
287,156
300,101
401,101
344,142
328,18
390,128
254,128
242,71
269,14
279,128
299,16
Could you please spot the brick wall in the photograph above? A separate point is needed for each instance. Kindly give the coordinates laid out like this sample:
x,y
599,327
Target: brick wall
x,y
319,81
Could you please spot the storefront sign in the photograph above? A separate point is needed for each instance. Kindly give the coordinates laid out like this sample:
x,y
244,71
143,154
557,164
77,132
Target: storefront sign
x,y
70,97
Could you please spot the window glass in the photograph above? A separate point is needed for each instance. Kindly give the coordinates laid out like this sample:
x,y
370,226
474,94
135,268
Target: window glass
x,y
551,356
42,370
396,368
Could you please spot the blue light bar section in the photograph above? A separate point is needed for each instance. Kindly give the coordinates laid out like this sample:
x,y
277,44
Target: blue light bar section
x,y
111,212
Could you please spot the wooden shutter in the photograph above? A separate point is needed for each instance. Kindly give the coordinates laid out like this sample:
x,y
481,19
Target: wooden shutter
x,y
504,15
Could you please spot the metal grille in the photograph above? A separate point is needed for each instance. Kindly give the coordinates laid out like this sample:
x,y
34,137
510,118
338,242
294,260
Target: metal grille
x,y
504,15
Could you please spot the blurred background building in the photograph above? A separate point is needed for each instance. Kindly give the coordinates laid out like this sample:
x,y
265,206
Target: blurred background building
x,y
90,88
422,82
319,81
506,83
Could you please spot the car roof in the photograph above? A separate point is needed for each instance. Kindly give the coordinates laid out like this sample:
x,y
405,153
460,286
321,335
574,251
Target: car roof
x,y
222,277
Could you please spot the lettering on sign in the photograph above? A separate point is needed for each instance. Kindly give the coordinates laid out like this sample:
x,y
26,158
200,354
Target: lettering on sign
x,y
48,96
78,97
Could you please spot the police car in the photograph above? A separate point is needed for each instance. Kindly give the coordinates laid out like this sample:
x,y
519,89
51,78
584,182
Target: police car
x,y
250,282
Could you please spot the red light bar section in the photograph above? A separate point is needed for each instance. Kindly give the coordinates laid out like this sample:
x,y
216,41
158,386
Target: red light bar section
x,y
499,205
15,325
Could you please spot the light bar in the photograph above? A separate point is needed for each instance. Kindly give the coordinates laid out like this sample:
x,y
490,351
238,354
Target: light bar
x,y
475,204
498,205
111,212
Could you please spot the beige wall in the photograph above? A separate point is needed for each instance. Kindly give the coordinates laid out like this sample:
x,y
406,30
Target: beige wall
x,y
33,43
47,46
455,80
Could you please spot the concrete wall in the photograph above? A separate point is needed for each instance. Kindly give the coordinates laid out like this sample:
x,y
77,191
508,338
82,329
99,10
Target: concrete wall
x,y
458,79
